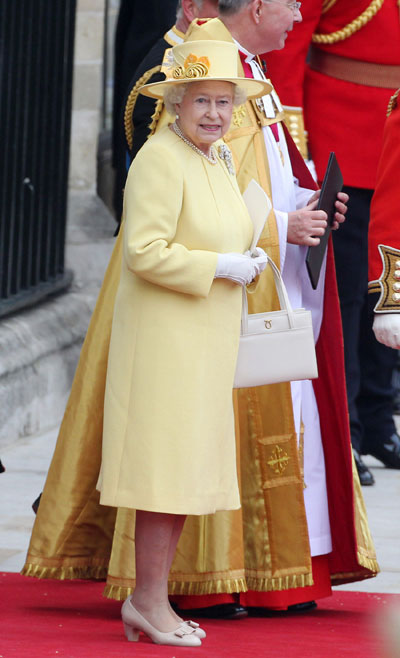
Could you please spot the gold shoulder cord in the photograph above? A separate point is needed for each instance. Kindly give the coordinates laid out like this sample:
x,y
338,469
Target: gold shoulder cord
x,y
131,102
155,117
352,27
393,103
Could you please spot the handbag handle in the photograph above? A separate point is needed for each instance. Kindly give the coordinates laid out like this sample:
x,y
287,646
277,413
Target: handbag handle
x,y
283,296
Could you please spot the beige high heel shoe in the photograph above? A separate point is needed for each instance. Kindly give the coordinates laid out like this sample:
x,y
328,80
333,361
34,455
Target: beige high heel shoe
x,y
134,622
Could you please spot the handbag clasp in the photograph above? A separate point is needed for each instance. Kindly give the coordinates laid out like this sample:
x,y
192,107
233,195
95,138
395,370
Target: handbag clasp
x,y
268,324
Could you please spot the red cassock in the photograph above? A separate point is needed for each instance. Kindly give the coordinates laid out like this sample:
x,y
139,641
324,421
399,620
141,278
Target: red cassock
x,y
339,115
384,227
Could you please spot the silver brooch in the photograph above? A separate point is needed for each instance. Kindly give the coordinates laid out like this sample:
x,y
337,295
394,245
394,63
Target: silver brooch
x,y
226,155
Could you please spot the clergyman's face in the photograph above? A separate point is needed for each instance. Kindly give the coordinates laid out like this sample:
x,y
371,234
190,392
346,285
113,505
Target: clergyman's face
x,y
276,20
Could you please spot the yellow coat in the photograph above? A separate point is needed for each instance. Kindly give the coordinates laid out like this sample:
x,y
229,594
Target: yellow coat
x,y
168,440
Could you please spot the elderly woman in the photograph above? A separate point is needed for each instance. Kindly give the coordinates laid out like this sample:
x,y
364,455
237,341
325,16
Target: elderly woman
x,y
168,441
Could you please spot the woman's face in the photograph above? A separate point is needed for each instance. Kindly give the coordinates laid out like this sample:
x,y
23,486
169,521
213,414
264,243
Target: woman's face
x,y
205,112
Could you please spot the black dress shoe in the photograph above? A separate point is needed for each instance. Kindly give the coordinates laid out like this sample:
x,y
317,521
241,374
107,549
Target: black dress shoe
x,y
302,607
2,468
365,475
388,452
222,611
296,608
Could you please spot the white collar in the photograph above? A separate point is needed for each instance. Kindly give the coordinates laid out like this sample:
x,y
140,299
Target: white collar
x,y
249,55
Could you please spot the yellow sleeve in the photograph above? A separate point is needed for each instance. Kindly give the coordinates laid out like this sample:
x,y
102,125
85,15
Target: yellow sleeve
x,y
152,208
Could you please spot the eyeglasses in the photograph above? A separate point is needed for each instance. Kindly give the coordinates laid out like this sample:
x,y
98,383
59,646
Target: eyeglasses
x,y
294,6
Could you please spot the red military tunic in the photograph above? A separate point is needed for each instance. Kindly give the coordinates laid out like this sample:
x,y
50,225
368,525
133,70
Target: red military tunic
x,y
340,115
384,228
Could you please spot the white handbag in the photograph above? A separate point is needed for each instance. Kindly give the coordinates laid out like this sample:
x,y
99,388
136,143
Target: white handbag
x,y
276,346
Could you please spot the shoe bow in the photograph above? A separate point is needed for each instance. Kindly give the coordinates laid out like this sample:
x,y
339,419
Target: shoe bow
x,y
185,629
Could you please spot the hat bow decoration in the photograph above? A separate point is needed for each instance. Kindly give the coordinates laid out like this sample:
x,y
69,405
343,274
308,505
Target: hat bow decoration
x,y
193,67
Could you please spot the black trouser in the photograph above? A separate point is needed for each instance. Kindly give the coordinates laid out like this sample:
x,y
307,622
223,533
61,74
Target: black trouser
x,y
369,365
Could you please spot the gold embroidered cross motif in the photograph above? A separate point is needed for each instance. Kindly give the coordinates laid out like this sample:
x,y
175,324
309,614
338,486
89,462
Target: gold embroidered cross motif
x,y
238,115
278,461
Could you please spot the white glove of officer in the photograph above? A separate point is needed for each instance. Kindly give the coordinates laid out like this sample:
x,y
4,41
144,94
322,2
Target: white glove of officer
x,y
241,268
386,328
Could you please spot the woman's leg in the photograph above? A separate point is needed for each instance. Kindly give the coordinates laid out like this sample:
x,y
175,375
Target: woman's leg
x,y
176,533
156,538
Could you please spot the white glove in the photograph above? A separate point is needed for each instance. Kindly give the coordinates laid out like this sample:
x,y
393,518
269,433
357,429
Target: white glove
x,y
386,328
240,268
260,256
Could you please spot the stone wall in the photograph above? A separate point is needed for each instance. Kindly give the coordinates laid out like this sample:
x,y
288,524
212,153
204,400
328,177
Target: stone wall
x,y
40,346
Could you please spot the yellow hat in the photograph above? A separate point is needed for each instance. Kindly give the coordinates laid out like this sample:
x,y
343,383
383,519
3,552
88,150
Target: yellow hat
x,y
194,61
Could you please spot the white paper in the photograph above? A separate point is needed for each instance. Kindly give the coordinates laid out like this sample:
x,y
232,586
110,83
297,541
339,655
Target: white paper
x,y
259,206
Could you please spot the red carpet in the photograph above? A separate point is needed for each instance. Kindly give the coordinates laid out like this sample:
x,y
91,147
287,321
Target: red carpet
x,y
71,619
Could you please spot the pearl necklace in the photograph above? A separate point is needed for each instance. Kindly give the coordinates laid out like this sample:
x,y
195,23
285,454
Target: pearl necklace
x,y
212,159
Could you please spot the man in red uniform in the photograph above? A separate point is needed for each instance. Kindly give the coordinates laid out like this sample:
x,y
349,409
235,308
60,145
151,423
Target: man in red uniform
x,y
343,82
384,234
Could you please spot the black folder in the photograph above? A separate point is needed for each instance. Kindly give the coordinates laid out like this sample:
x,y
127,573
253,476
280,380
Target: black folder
x,y
331,185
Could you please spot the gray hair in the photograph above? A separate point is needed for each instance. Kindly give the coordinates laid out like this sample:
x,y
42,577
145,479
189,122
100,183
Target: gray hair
x,y
175,93
179,11
230,7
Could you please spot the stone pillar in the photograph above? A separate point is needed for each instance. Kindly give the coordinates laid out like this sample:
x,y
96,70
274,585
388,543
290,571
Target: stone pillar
x,y
87,94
